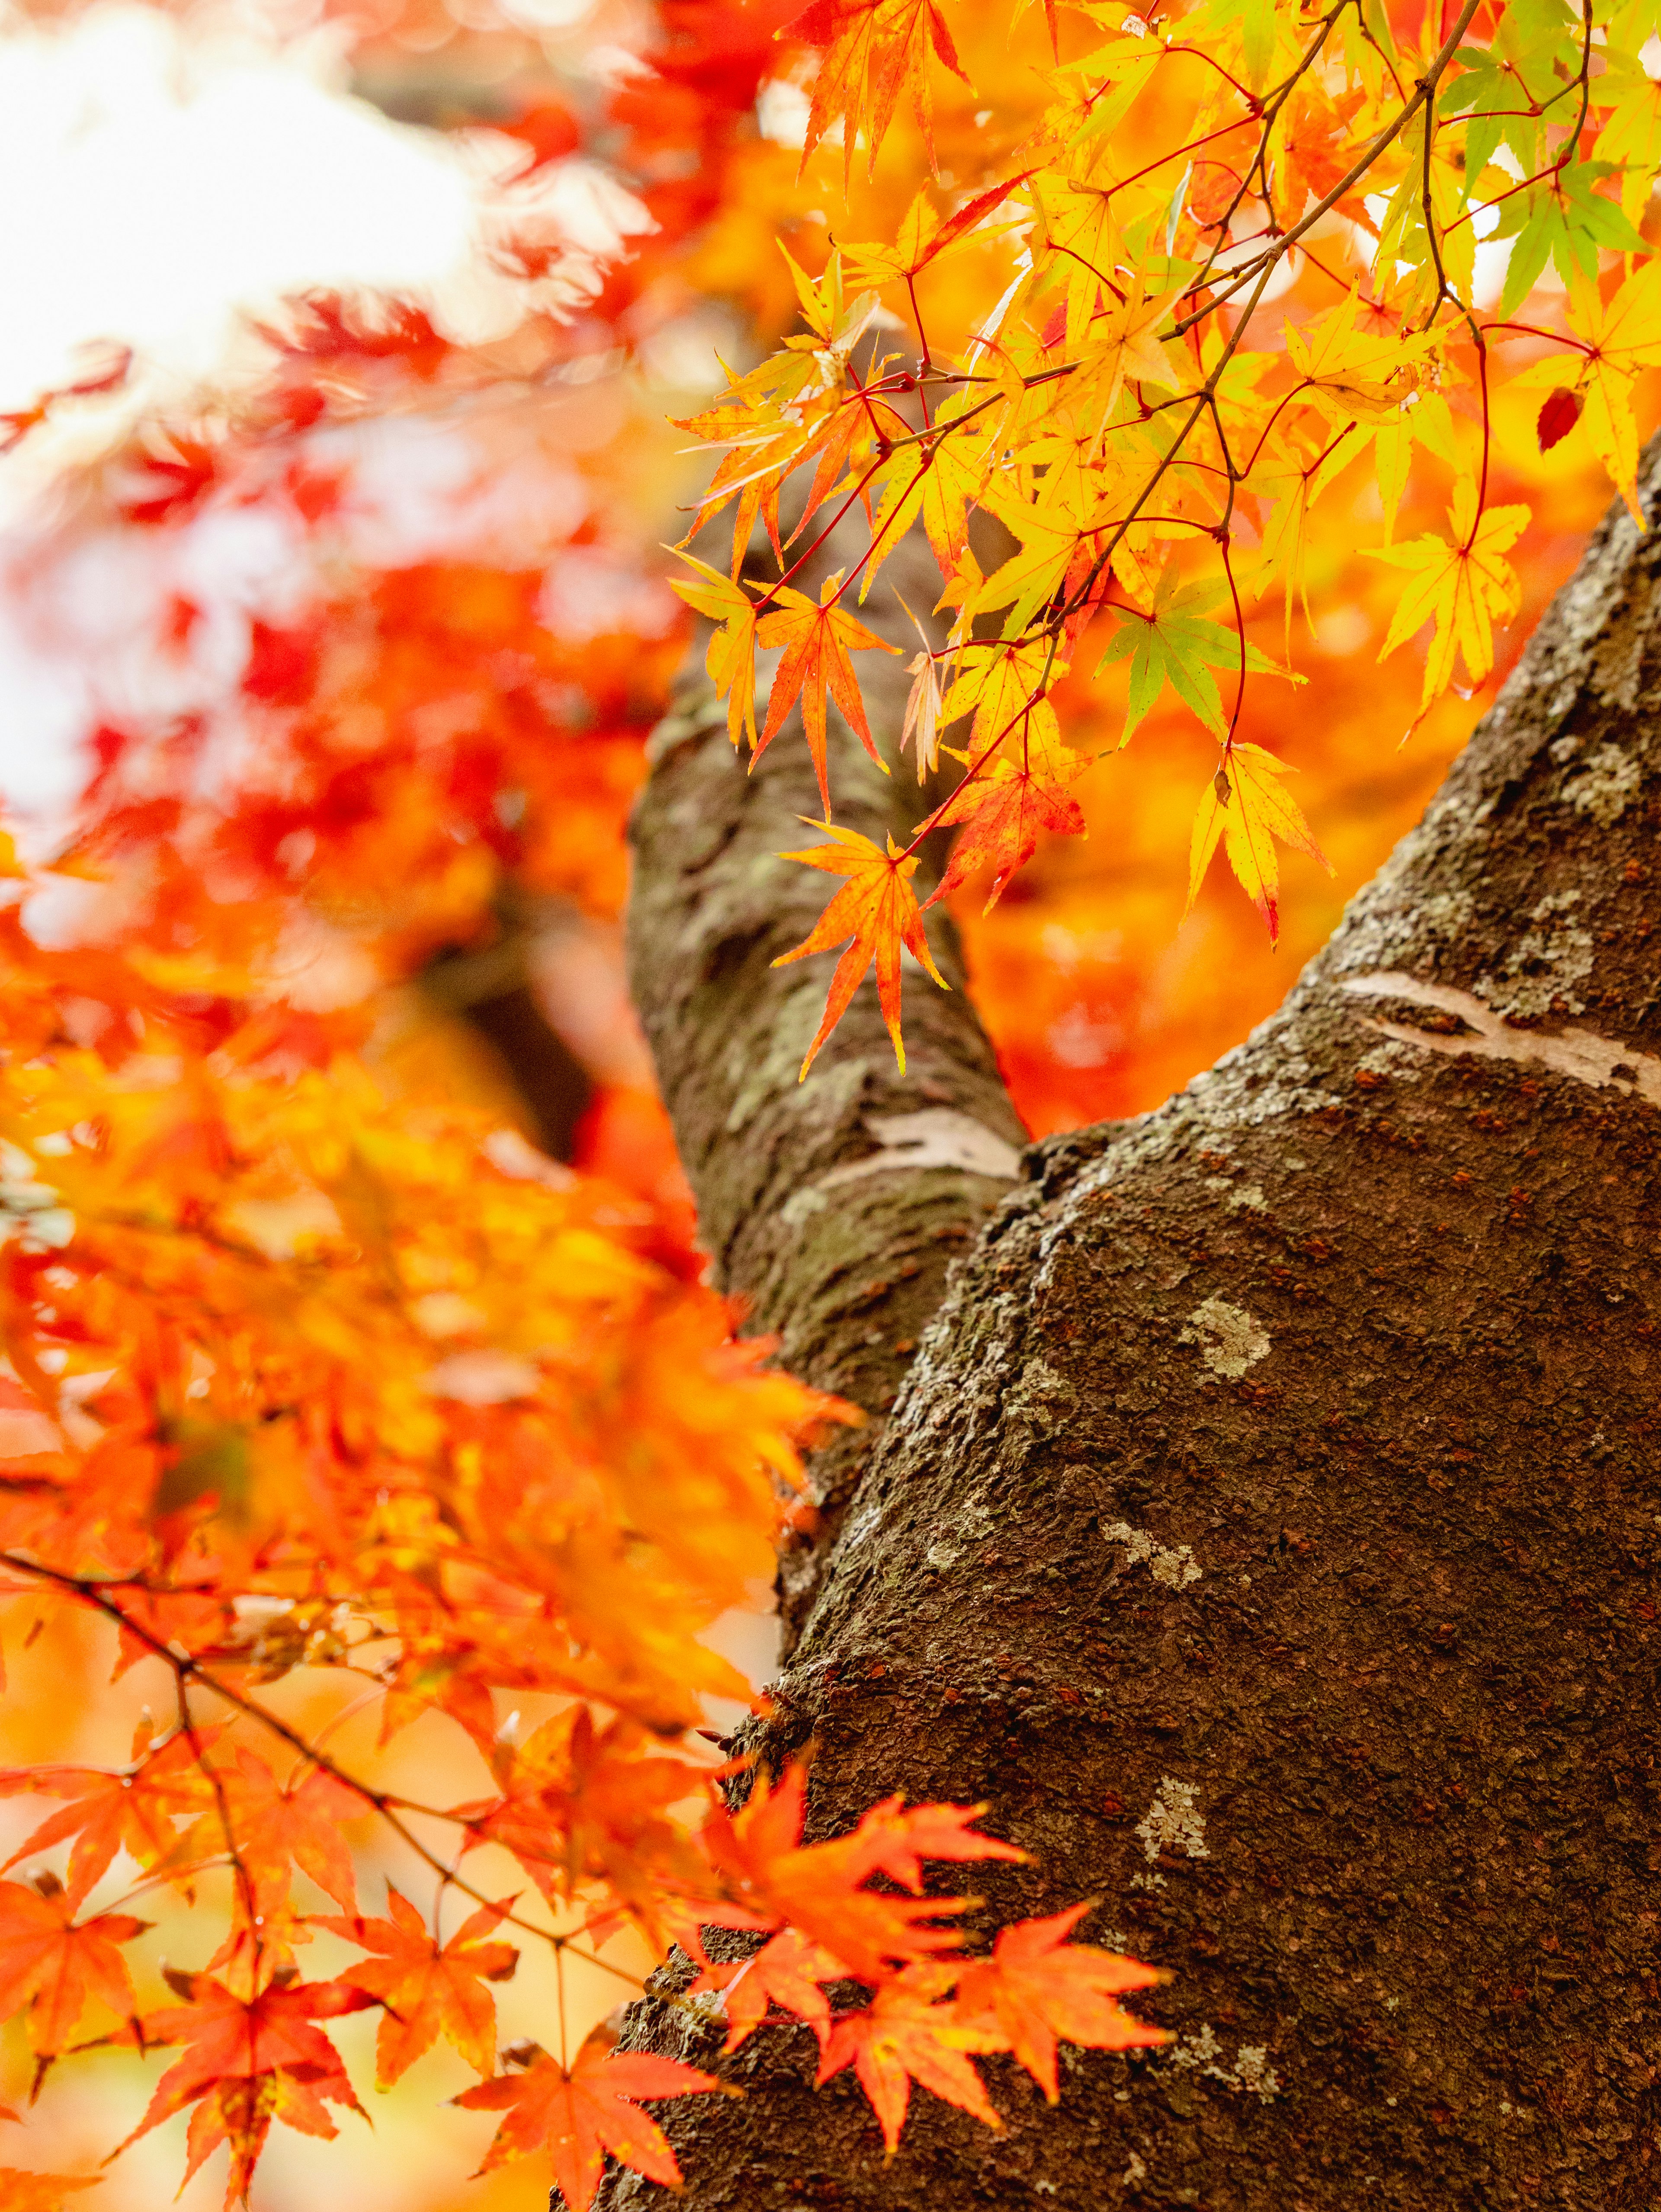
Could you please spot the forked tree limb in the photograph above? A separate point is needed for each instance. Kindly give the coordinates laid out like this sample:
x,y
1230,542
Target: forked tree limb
x,y
1269,1525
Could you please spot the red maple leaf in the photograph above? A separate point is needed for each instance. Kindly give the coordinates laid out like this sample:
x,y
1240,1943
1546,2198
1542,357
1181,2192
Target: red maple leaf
x,y
247,2062
55,1965
1558,413
1038,1988
427,1990
1003,809
578,2117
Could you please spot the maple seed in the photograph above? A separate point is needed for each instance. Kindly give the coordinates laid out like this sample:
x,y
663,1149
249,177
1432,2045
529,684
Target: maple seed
x,y
1560,411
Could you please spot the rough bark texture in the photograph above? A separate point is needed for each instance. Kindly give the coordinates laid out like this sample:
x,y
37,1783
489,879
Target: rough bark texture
x,y
1267,1526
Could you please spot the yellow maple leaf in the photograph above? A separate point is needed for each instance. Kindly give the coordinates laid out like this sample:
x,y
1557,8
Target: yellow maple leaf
x,y
1351,373
1461,586
878,909
1620,338
1244,807
731,659
1125,348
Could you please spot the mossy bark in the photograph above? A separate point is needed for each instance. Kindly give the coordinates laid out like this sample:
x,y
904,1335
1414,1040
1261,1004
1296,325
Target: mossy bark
x,y
1267,1524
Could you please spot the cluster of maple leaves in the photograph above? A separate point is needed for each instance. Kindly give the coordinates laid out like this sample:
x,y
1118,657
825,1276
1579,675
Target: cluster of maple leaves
x,y
311,1375
1149,431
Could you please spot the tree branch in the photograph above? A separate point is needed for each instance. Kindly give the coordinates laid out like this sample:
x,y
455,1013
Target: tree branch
x,y
833,1206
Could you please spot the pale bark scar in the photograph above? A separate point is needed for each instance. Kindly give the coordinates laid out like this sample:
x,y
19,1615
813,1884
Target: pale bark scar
x,y
936,1138
1578,1054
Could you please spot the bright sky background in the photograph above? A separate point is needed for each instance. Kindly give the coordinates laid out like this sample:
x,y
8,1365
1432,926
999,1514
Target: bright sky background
x,y
162,183
155,182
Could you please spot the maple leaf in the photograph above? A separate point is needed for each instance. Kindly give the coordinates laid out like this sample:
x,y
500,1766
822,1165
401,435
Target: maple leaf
x,y
1562,218
21,2191
580,2116
1317,131
1353,374
786,1971
1620,339
1123,347
1003,809
134,1809
1049,532
922,712
893,1839
56,1966
581,1803
731,657
1038,1990
904,2035
1244,805
878,909
247,2062
923,237
817,1887
303,1824
873,49
1560,411
1461,586
427,1990
1176,643
817,642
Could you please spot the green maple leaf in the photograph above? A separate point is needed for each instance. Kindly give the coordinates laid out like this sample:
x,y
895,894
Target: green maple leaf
x,y
1562,220
1532,54
1175,644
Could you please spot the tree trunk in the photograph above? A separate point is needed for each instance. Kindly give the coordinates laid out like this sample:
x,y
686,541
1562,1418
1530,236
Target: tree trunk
x,y
1267,1522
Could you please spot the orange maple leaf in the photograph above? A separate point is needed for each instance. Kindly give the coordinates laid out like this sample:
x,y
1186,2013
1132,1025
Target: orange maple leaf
x,y
1038,1988
903,2035
132,1810
873,50
818,1887
302,1825
580,2116
817,642
39,2192
878,909
427,1990
580,1803
247,2062
55,1965
786,1971
1002,809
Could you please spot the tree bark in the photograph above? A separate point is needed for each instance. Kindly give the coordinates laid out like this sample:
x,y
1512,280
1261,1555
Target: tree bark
x,y
1267,1527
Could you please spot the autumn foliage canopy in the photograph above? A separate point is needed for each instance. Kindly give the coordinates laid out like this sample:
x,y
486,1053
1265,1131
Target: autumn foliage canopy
x,y
335,1416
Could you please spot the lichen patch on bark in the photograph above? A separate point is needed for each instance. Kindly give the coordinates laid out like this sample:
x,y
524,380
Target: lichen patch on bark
x,y
1230,1341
